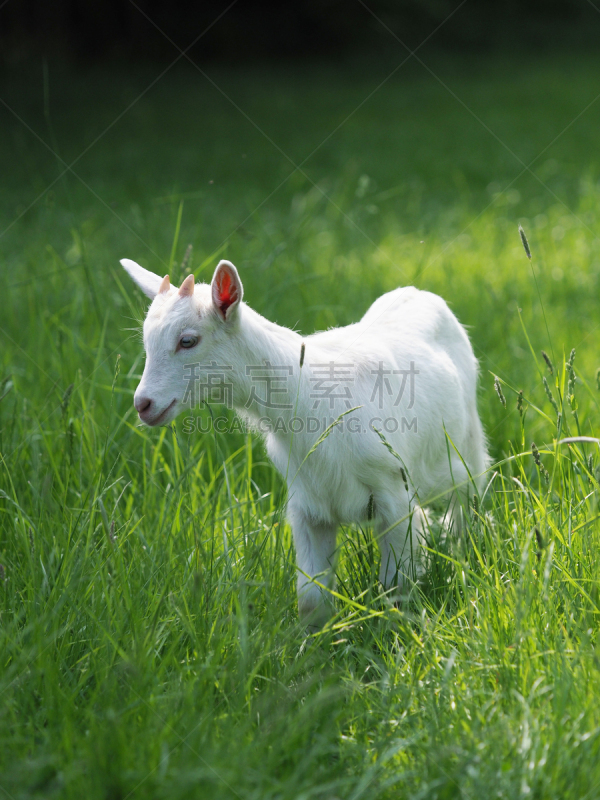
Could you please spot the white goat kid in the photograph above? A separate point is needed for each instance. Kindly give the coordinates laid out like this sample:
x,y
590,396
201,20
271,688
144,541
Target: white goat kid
x,y
406,369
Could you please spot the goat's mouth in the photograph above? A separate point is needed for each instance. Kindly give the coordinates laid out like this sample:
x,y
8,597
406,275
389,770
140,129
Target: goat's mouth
x,y
162,416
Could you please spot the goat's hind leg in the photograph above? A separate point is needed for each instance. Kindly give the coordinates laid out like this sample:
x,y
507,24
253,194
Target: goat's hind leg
x,y
460,499
401,535
468,477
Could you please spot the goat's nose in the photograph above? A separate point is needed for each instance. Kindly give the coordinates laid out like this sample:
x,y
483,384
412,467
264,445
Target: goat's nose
x,y
142,405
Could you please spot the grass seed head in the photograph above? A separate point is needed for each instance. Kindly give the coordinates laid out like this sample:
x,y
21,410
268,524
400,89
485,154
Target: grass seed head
x,y
499,392
64,406
186,258
525,242
571,385
404,479
550,395
549,364
520,402
536,457
302,351
371,508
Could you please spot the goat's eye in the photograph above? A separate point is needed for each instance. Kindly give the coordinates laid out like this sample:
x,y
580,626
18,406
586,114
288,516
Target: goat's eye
x,y
188,341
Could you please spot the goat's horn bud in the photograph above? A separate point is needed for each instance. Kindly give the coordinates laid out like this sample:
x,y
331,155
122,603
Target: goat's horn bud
x,y
187,287
165,285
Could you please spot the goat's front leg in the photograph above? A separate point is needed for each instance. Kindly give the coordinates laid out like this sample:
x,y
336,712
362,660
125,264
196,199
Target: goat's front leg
x,y
315,558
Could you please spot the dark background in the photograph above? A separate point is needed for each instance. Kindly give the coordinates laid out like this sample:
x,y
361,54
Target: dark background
x,y
251,30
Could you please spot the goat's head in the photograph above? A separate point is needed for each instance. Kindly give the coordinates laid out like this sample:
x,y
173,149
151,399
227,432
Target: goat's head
x,y
189,325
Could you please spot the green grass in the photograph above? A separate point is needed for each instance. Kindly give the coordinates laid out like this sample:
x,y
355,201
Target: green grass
x,y
149,643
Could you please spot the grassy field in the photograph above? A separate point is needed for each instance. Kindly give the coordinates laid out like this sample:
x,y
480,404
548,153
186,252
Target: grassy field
x,y
149,642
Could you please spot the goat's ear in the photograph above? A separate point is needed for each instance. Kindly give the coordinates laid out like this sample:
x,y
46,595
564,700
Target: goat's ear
x,y
149,283
227,290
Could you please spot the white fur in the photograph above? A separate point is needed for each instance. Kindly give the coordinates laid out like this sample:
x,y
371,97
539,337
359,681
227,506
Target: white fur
x,y
351,473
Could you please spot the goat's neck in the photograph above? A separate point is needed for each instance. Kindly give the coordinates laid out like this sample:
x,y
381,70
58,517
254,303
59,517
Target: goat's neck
x,y
260,342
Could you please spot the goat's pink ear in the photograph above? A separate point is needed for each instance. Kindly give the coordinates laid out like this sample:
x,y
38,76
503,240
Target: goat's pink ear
x,y
165,285
227,289
187,287
149,283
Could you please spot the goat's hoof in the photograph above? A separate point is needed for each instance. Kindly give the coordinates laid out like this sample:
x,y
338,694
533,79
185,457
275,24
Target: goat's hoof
x,y
315,617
